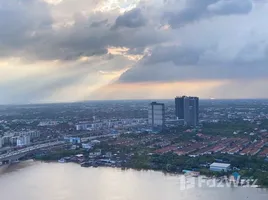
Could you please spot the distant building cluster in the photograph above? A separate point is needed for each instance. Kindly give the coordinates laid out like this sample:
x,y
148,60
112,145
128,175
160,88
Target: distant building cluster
x,y
19,139
48,123
114,123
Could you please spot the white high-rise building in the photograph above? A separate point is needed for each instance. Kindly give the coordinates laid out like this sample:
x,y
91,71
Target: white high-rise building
x,y
156,115
23,140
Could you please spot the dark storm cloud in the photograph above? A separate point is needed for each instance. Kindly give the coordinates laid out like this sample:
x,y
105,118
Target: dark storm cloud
x,y
198,9
130,19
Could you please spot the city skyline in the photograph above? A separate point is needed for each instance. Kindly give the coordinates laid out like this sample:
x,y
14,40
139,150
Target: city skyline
x,y
136,135
128,100
78,50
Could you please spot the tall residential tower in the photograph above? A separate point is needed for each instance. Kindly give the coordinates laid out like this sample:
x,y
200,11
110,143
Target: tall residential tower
x,y
156,115
187,108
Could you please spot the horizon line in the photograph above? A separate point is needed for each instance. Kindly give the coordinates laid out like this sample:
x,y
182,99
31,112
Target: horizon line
x,y
106,100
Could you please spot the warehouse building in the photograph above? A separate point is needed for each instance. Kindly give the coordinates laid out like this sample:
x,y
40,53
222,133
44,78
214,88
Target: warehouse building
x,y
219,167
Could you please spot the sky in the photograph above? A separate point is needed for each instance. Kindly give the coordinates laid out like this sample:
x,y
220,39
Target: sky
x,y
76,50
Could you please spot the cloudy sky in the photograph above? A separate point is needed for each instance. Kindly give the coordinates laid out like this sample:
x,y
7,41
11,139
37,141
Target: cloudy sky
x,y
73,50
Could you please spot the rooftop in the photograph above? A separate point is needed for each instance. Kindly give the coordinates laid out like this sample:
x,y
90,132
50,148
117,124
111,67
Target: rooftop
x,y
220,165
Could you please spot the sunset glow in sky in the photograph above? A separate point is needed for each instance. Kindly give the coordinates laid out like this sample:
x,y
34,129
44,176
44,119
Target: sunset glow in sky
x,y
73,50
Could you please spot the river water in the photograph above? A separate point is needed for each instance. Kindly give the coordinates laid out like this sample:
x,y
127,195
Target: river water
x,y
53,181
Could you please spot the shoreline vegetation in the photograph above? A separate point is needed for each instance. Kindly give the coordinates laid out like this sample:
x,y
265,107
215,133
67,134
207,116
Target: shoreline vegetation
x,y
166,163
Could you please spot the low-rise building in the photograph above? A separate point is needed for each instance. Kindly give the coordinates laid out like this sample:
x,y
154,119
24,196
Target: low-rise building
x,y
220,167
86,146
95,153
73,140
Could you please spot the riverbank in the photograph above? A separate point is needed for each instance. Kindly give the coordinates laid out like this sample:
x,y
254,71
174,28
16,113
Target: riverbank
x,y
134,158
202,178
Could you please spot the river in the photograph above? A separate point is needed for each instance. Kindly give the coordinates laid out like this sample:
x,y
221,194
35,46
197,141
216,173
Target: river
x,y
53,181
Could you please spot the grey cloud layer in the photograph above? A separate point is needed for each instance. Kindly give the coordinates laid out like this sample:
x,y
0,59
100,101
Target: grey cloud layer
x,y
27,27
180,39
27,31
180,63
18,22
225,47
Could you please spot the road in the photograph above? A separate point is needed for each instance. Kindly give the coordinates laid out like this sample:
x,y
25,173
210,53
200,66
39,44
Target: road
x,y
9,155
26,150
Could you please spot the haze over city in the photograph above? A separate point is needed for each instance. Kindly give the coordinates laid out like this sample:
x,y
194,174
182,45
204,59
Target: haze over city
x,y
133,99
73,50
